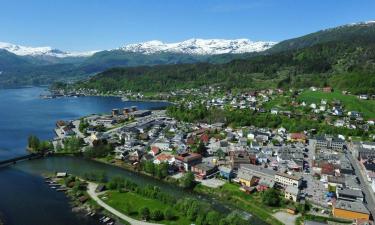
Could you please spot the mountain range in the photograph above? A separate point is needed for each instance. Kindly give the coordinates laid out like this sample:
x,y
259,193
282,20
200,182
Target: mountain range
x,y
191,46
342,57
21,65
332,56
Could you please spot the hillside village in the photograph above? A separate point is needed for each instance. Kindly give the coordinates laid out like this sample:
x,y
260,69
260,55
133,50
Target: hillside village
x,y
333,172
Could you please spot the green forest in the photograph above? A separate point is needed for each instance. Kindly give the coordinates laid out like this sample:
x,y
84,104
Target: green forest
x,y
345,65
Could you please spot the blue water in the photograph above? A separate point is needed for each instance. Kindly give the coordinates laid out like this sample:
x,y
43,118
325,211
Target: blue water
x,y
24,197
23,113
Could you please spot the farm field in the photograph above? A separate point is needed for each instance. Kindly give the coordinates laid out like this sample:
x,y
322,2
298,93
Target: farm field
x,y
350,102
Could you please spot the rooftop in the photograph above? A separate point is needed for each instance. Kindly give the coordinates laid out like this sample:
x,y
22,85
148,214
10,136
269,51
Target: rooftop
x,y
352,206
293,177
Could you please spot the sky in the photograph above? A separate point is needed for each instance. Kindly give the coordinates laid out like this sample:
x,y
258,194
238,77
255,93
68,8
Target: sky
x,y
81,25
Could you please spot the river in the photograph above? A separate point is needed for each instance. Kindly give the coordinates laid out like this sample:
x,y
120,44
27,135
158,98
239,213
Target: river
x,y
24,197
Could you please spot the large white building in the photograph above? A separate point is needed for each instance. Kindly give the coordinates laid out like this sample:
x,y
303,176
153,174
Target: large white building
x,y
288,180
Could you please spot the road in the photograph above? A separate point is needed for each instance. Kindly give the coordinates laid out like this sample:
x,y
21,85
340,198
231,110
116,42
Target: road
x,y
366,189
95,197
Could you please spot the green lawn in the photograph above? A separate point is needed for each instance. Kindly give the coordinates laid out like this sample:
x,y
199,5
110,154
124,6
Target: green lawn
x,y
130,203
248,202
279,102
350,102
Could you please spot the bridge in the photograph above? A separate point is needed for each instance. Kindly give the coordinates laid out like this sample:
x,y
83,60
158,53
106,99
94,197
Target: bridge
x,y
11,161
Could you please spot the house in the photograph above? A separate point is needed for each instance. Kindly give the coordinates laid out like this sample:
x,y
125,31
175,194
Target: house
x,y
291,193
363,97
327,89
238,157
205,138
265,183
262,158
349,195
67,131
350,210
203,170
246,178
163,145
274,111
297,137
226,172
135,156
164,158
154,151
187,160
60,123
61,174
288,180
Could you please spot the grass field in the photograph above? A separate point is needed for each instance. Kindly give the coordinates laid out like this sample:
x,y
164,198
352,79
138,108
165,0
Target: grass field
x,y
248,202
130,203
350,102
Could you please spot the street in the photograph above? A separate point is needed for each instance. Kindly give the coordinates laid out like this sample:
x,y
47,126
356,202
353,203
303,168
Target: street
x,y
366,189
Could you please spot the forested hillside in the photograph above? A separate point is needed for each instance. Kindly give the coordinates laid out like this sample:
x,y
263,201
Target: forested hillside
x,y
345,64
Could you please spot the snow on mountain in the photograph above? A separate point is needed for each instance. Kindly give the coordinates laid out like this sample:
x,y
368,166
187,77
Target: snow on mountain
x,y
200,46
191,46
41,51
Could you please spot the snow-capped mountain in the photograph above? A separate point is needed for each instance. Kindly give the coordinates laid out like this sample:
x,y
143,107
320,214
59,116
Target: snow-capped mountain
x,y
41,51
191,46
200,46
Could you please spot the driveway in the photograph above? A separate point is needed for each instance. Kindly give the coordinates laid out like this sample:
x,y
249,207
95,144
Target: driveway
x,y
91,191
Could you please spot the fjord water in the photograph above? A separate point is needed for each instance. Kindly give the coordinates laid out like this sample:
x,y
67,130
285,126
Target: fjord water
x,y
24,197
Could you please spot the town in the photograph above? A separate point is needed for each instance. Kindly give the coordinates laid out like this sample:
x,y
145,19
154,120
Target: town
x,y
332,172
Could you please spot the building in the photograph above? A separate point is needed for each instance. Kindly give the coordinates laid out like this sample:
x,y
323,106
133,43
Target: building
x,y
236,158
154,151
321,143
285,180
349,195
140,113
246,178
265,183
350,210
226,172
115,112
337,144
291,193
297,137
203,170
186,161
258,171
328,89
164,158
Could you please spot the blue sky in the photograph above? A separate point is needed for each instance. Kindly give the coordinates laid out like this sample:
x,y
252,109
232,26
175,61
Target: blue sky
x,y
78,25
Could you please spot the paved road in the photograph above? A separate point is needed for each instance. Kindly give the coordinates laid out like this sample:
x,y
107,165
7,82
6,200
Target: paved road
x,y
94,196
369,195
